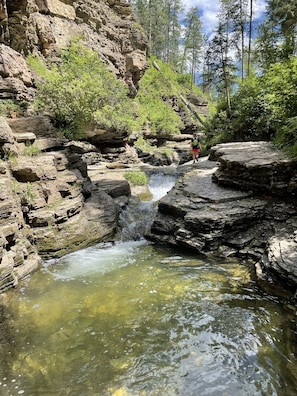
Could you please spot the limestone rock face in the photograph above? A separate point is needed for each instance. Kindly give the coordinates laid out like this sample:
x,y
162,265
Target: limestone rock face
x,y
47,26
48,204
16,81
231,207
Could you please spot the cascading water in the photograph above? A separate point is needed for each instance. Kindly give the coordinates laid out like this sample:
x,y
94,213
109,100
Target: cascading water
x,y
160,184
136,220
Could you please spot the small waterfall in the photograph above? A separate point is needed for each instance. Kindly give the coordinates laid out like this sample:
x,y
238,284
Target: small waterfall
x,y
137,218
160,184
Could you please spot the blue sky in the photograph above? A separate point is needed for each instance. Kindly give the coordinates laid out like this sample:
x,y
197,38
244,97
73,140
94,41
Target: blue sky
x,y
210,8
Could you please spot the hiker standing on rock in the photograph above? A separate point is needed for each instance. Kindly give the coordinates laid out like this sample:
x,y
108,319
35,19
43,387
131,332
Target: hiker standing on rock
x,y
195,147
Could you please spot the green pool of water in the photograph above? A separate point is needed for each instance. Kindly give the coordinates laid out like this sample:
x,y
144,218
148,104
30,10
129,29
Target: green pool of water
x,y
136,319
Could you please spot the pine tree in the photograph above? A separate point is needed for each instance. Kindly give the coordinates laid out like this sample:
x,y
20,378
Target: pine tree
x,y
250,37
277,39
192,42
160,20
174,8
221,67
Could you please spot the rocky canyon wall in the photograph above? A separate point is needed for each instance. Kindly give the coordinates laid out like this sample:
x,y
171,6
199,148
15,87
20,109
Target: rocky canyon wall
x,y
48,204
47,26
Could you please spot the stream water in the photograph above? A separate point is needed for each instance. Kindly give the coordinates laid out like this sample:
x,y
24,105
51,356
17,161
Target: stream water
x,y
133,318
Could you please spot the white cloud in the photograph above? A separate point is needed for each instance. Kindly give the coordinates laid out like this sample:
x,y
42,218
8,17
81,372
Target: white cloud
x,y
259,8
210,8
209,12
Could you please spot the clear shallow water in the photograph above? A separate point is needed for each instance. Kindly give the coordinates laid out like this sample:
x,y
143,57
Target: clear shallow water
x,y
136,319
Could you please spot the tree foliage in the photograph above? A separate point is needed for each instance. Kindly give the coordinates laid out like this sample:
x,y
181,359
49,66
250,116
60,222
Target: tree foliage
x,y
160,20
193,40
81,93
225,56
156,88
263,108
277,34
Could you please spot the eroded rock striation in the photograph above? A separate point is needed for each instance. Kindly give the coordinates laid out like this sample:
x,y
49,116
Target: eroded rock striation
x,y
241,202
107,26
48,204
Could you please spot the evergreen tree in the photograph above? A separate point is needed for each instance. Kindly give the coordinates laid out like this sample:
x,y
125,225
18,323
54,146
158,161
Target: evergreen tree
x,y
160,20
250,37
174,8
221,67
192,42
277,39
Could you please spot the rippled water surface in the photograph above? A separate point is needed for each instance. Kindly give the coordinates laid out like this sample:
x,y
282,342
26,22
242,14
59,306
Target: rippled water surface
x,y
136,319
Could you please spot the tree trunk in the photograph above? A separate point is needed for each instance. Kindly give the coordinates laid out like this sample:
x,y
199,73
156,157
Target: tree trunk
x,y
250,38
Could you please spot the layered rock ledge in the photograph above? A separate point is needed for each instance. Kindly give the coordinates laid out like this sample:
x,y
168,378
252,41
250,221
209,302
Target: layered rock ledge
x,y
240,202
49,206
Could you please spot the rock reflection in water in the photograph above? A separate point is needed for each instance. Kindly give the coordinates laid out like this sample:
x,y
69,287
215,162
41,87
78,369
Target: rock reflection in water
x,y
136,319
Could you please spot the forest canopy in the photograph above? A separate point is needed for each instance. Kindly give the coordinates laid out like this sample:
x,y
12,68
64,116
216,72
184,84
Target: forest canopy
x,y
248,66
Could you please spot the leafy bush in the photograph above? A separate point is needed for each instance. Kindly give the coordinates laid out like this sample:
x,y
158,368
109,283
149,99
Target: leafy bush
x,y
9,108
158,89
287,137
143,144
137,178
81,93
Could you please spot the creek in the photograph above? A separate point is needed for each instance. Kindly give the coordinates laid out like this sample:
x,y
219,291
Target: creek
x,y
134,318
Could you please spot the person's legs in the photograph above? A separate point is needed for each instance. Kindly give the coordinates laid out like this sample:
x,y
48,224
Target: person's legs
x,y
197,155
194,155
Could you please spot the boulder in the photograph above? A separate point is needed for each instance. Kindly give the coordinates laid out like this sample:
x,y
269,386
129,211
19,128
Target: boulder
x,y
213,218
114,188
6,135
16,80
257,166
280,260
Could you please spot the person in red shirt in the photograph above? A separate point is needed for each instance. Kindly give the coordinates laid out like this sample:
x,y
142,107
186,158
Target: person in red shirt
x,y
195,147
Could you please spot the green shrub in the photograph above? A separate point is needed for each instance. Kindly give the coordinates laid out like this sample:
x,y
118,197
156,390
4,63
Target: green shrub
x,y
31,150
137,178
81,93
157,91
143,144
9,108
263,108
287,137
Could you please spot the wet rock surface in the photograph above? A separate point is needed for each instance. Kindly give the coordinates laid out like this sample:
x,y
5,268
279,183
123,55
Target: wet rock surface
x,y
248,221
